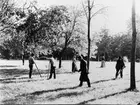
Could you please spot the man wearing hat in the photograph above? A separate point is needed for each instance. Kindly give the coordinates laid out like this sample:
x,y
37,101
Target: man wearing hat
x,y
31,62
84,72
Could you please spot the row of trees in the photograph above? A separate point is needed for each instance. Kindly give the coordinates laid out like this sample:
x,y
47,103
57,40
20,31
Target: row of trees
x,y
53,30
117,45
30,29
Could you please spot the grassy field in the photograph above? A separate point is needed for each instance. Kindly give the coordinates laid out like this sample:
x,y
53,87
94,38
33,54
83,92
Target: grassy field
x,y
17,88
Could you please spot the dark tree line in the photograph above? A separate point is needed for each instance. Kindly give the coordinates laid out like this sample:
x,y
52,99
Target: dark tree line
x,y
112,46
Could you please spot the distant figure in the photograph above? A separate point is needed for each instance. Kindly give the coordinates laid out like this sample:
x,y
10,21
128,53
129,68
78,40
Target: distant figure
x,y
74,66
103,62
52,67
84,72
31,62
125,58
119,67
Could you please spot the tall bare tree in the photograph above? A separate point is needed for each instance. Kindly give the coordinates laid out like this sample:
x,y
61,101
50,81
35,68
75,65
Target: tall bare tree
x,y
89,15
133,51
70,32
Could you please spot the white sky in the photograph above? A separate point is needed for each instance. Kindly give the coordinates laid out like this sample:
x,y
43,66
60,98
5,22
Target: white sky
x,y
116,18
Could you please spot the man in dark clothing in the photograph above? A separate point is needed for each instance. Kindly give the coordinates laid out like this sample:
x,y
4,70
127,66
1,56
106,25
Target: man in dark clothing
x,y
52,67
31,62
103,62
119,67
84,72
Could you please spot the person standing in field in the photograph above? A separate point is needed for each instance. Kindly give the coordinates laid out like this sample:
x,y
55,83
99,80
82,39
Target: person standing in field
x,y
52,67
31,62
84,72
103,62
119,67
74,66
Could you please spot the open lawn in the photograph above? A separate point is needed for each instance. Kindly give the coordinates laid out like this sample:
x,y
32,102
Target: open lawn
x,y
17,88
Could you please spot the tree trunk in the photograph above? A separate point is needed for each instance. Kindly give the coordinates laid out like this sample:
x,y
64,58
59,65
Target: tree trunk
x,y
23,52
89,41
88,59
60,61
98,57
60,57
23,55
133,51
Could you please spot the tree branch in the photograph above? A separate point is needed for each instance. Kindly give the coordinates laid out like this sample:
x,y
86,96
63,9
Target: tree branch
x,y
85,10
24,5
92,5
97,12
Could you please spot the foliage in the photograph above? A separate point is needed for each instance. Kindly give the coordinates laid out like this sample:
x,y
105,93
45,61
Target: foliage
x,y
62,28
53,29
11,48
6,13
117,45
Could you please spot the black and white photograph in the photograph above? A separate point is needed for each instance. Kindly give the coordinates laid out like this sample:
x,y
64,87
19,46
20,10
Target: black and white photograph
x,y
70,52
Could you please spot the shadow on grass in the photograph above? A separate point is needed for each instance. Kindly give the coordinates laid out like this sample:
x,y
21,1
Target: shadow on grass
x,y
32,97
68,94
36,96
100,67
52,90
19,72
26,79
106,96
60,89
14,75
2,66
13,72
106,80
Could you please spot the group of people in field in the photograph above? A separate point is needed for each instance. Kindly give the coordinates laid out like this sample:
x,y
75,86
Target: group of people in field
x,y
51,66
83,68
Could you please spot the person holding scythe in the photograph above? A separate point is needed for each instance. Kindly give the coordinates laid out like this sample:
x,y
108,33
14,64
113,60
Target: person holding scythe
x,y
31,63
52,67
